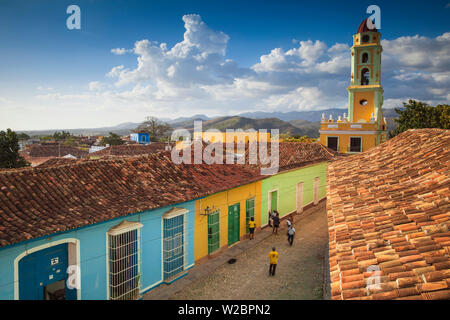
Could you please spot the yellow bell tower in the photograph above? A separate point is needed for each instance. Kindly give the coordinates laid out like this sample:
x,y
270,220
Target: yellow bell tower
x,y
364,127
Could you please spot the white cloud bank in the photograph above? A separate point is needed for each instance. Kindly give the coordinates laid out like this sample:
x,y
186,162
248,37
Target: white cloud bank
x,y
195,76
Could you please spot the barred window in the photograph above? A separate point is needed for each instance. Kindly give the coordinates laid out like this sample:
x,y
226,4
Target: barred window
x,y
124,261
174,242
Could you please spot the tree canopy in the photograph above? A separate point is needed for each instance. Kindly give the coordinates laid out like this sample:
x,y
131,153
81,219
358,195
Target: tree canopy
x,y
9,151
113,140
156,128
296,138
417,114
23,136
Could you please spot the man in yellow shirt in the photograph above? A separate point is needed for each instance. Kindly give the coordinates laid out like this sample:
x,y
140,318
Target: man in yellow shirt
x,y
251,227
273,257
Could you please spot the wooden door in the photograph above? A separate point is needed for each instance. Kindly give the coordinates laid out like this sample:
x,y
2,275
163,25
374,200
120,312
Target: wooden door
x,y
233,223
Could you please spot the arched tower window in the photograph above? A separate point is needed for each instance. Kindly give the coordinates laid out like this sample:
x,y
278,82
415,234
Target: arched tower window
x,y
365,38
365,57
365,75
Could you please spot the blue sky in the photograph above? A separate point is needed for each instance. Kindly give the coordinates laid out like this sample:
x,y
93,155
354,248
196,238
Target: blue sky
x,y
255,55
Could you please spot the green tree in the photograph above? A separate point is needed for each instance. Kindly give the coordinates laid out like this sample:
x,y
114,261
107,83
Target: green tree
x,y
61,135
113,140
23,136
296,138
157,129
417,114
9,151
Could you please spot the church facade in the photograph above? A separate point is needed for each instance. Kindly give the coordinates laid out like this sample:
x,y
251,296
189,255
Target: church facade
x,y
364,126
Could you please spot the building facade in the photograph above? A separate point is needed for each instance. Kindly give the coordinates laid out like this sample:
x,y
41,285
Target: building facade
x,y
140,137
221,219
364,127
117,259
290,191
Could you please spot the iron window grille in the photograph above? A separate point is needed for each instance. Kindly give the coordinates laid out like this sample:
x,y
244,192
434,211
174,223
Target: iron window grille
x,y
124,261
174,243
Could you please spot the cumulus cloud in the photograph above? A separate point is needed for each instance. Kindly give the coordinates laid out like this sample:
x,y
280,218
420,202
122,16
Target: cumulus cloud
x,y
195,72
195,76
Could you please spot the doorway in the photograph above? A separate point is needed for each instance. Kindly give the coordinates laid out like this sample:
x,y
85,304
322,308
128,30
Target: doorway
x,y
234,213
43,275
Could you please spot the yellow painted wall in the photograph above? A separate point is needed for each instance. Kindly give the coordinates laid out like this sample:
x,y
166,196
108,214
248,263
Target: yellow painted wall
x,y
363,112
368,141
221,201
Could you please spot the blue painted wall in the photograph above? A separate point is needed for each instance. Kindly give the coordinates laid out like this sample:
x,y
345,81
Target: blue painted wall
x,y
143,138
93,253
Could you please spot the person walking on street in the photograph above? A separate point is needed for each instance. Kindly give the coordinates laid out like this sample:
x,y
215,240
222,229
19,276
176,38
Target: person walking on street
x,y
291,233
251,227
273,259
276,223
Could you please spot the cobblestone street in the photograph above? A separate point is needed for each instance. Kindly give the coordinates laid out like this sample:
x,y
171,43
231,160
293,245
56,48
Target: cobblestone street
x,y
300,273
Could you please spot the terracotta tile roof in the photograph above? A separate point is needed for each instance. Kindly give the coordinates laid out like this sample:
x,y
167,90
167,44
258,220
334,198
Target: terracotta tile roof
x,y
389,208
55,150
58,161
130,150
298,154
41,201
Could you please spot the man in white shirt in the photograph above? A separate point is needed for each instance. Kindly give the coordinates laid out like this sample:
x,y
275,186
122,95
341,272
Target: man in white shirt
x,y
291,233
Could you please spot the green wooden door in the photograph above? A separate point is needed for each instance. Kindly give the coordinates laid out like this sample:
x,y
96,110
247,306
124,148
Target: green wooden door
x,y
274,195
213,232
233,223
249,212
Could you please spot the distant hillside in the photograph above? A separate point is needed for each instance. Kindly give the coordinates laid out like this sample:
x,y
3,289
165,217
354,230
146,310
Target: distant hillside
x,y
295,122
237,122
310,129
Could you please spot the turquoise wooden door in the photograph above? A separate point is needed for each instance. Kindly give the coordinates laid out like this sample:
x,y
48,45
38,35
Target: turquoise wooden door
x,y
233,223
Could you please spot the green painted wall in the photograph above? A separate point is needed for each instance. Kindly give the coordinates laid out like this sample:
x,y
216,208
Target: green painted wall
x,y
286,183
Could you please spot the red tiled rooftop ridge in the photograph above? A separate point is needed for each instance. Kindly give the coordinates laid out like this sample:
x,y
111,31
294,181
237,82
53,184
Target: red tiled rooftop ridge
x,y
389,208
130,150
55,150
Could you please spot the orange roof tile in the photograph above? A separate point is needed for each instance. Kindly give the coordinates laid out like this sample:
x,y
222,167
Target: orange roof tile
x,y
389,210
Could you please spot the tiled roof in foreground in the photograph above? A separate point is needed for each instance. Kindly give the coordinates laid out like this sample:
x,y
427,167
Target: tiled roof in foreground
x,y
40,201
388,210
